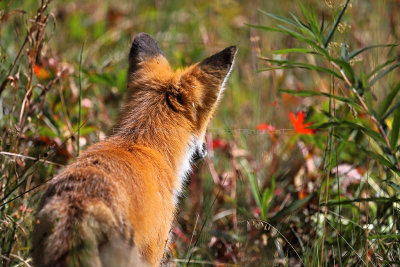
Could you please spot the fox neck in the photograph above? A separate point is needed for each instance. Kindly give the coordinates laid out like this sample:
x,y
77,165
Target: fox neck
x,y
175,144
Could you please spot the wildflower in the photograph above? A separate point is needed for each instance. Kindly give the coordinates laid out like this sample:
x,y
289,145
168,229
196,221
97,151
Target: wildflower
x,y
40,72
219,143
303,193
263,127
298,123
278,191
23,208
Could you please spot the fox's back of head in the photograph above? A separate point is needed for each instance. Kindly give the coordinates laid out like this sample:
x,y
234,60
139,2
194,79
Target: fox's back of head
x,y
161,99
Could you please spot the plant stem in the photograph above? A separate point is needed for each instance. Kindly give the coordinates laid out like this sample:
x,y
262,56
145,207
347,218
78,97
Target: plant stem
x,y
80,97
372,117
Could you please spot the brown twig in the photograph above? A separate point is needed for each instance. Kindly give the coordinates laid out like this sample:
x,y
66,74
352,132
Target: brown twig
x,y
29,157
43,7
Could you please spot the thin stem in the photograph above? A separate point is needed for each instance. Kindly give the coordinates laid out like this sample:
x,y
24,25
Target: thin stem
x,y
80,97
372,117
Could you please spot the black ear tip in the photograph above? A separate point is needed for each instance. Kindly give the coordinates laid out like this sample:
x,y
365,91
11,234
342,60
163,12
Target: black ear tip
x,y
144,46
143,37
232,50
228,54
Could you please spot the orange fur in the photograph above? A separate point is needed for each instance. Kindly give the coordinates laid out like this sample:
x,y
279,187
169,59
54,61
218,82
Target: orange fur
x,y
114,206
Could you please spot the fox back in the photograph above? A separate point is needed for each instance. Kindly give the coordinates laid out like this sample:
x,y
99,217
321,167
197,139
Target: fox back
x,y
115,205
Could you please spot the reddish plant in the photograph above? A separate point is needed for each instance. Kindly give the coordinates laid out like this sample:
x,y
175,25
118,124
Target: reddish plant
x,y
298,123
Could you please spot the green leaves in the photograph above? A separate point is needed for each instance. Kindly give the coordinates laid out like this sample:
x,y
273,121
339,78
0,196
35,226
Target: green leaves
x,y
293,50
359,51
306,93
394,136
383,73
358,123
388,101
267,199
335,25
285,64
310,32
253,181
263,200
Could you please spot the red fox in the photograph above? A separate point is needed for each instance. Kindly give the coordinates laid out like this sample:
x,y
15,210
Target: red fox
x,y
115,205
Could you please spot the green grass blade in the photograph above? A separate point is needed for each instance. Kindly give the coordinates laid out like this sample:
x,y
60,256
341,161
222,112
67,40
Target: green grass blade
x,y
393,185
310,33
306,14
80,98
388,100
381,159
336,24
394,135
359,51
322,27
292,207
391,110
294,64
295,35
294,50
385,236
304,28
306,93
349,125
344,53
300,23
280,18
358,200
383,73
315,25
253,182
381,66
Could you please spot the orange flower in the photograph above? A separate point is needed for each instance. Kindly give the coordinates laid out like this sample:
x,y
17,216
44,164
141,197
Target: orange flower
x,y
263,127
219,143
40,72
298,123
303,193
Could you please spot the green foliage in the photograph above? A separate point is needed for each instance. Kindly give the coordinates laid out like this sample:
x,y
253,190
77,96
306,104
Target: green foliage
x,y
369,122
323,194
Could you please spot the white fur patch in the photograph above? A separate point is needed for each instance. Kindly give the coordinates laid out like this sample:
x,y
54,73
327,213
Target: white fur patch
x,y
195,143
226,79
186,163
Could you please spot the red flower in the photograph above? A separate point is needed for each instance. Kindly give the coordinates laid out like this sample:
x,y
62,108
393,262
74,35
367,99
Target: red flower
x,y
298,123
219,143
263,127
40,72
303,193
278,191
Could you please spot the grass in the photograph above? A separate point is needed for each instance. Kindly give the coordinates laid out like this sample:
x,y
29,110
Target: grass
x,y
266,194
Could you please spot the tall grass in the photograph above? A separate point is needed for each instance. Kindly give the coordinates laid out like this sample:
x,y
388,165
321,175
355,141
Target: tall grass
x,y
354,124
274,190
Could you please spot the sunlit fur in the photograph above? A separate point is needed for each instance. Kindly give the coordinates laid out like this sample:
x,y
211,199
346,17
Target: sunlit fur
x,y
115,205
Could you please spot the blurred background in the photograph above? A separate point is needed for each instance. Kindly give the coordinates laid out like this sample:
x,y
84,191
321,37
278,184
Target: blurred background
x,y
256,199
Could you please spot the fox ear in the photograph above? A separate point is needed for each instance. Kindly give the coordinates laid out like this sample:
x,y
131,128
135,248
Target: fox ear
x,y
219,64
143,48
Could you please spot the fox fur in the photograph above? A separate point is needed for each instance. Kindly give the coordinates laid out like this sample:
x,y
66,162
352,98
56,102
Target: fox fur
x,y
115,205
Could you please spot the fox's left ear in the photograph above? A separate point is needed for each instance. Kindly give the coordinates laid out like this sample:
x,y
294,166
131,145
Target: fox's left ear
x,y
143,48
219,64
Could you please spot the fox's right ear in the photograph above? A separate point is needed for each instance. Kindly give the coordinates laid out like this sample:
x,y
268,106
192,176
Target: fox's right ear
x,y
143,48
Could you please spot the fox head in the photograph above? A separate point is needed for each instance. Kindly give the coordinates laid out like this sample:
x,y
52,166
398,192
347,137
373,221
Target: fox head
x,y
170,110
